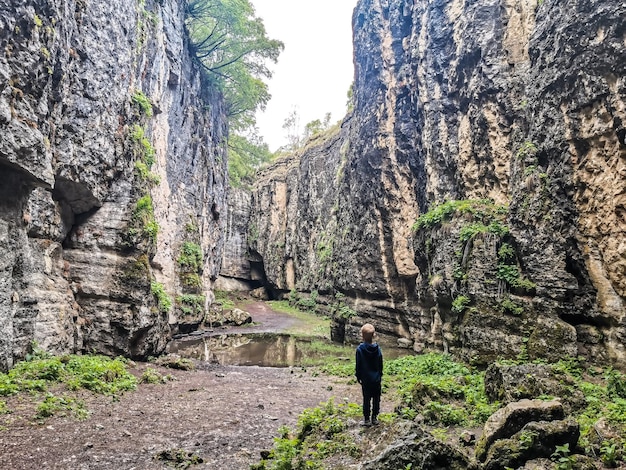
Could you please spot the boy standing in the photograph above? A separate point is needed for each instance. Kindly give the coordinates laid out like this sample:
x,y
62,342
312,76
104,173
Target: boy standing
x,y
369,373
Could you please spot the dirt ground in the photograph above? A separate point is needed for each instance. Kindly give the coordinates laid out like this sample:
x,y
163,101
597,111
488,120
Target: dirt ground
x,y
226,415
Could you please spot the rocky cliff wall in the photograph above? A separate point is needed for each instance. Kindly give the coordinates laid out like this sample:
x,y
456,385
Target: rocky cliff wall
x,y
112,166
512,111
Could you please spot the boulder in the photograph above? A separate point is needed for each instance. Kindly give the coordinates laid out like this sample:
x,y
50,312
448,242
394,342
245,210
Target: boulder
x,y
511,419
260,293
420,446
237,317
537,439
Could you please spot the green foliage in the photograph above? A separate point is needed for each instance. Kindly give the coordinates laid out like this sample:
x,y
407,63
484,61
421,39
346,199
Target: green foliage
x,y
153,376
144,104
176,362
53,405
144,150
324,249
246,154
144,21
529,170
615,384
164,301
487,216
96,373
426,382
460,303
444,414
506,252
191,304
232,45
223,298
179,458
143,215
191,281
610,453
321,433
151,230
510,274
307,303
508,306
527,439
440,213
99,374
190,257
562,457
527,149
316,127
145,174
339,309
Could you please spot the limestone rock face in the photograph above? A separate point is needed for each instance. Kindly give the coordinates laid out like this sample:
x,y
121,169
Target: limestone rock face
x,y
511,419
420,446
516,108
78,212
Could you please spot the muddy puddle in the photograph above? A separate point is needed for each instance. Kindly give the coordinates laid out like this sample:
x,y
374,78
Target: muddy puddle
x,y
264,350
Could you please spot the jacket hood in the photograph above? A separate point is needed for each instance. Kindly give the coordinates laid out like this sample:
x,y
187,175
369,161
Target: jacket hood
x,y
369,348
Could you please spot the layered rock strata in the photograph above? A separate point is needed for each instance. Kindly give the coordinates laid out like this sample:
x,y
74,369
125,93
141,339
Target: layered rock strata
x,y
112,157
513,112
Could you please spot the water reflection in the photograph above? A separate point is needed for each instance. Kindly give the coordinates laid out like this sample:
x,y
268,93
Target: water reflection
x,y
264,349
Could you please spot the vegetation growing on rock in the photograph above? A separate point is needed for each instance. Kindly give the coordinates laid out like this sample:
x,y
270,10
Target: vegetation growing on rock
x,y
443,397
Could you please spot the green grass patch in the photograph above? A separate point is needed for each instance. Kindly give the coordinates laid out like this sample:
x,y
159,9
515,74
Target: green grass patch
x,y
96,373
55,405
153,376
224,299
321,432
310,324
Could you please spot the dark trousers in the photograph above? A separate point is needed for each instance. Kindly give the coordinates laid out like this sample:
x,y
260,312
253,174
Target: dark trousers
x,y
371,399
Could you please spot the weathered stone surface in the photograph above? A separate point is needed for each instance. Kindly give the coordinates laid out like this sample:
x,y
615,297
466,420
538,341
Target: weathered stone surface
x,y
235,260
509,383
580,462
237,317
420,446
537,439
511,419
67,165
521,103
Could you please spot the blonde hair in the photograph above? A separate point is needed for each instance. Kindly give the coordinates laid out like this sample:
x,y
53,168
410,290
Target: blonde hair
x,y
367,332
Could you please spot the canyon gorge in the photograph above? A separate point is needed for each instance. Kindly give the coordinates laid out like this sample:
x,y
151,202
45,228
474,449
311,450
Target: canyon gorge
x,y
472,201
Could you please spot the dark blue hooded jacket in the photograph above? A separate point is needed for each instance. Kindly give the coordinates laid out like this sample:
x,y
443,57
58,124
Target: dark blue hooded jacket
x,y
369,363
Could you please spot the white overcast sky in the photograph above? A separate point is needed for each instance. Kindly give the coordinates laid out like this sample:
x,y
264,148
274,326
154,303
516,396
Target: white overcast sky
x,y
315,70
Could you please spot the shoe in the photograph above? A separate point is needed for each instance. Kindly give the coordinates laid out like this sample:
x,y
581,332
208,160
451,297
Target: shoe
x,y
366,422
374,421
